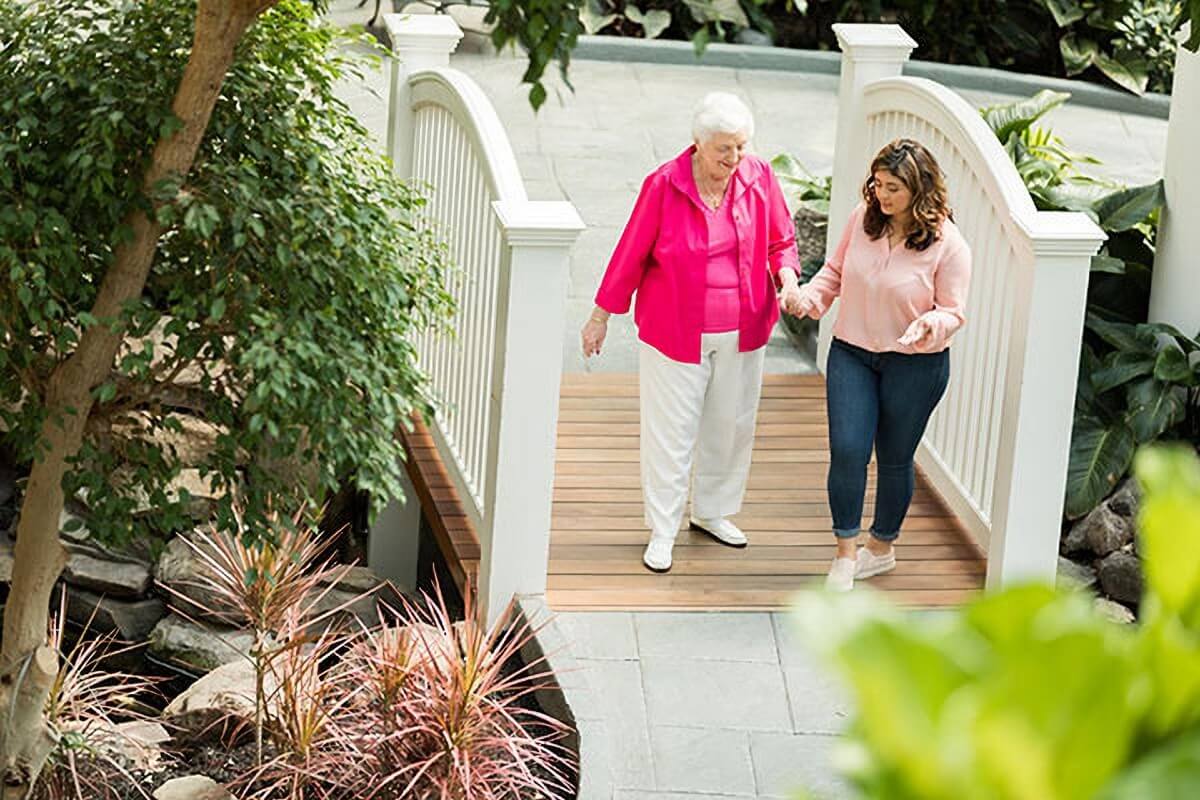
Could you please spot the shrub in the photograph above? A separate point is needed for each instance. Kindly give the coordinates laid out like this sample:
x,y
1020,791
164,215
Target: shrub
x,y
1028,692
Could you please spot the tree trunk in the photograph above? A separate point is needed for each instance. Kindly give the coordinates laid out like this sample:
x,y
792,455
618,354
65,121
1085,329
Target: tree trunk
x,y
39,555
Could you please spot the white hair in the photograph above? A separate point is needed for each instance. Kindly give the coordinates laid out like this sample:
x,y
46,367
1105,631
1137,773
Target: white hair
x,y
721,112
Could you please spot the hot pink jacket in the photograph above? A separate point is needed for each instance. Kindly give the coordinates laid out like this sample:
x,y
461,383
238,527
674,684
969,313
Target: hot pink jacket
x,y
663,254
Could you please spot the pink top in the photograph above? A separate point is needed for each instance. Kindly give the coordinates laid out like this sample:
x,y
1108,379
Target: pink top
x,y
663,256
721,303
883,289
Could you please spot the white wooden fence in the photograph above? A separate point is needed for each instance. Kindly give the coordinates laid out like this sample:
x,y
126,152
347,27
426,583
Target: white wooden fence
x,y
497,377
997,446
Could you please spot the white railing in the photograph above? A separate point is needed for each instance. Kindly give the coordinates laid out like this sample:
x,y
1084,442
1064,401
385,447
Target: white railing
x,y
497,378
997,447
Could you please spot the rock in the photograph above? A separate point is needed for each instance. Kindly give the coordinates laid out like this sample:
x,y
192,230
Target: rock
x,y
130,620
1121,577
1114,611
198,647
182,573
6,559
1105,531
1125,500
1075,575
192,787
116,578
811,229
138,743
72,528
356,579
357,606
218,702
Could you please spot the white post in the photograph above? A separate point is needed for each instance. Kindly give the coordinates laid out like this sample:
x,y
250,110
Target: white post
x,y
1175,287
1035,432
869,53
395,537
515,547
419,41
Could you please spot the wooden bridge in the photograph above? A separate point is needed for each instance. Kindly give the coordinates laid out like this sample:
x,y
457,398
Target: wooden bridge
x,y
529,478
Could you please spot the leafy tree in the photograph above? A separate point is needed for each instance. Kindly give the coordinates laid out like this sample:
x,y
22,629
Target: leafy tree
x,y
191,223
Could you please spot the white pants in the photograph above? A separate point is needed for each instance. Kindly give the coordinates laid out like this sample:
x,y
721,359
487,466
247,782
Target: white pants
x,y
705,411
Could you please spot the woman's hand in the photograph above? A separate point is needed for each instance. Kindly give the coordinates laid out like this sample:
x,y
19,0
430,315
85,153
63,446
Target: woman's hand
x,y
919,334
593,333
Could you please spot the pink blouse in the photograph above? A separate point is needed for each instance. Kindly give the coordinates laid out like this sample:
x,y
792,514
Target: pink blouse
x,y
883,288
721,302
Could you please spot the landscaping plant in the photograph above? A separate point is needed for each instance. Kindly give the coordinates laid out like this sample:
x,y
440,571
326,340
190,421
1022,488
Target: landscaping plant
x,y
1028,692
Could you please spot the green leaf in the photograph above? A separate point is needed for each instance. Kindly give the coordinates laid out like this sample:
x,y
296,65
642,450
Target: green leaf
x,y
1077,53
1122,366
216,310
1170,772
1122,335
106,391
653,22
595,16
1124,208
1154,406
705,11
700,41
1191,12
1169,524
1108,264
1172,366
1100,456
1064,11
1126,69
537,95
1009,118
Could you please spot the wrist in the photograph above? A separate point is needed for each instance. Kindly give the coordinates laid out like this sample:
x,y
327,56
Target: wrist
x,y
788,277
600,316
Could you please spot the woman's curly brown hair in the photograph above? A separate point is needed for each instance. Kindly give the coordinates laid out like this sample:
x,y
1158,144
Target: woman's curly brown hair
x,y
918,170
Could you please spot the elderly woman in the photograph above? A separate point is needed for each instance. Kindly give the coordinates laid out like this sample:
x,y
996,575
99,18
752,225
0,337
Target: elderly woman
x,y
902,270
708,234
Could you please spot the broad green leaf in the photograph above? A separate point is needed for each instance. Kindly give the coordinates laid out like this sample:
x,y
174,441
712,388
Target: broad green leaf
x,y
1128,70
1009,118
1169,522
1100,456
1064,11
1172,366
1122,209
1122,366
704,11
653,22
1191,12
1154,406
1075,194
1078,53
1171,772
1122,335
1108,264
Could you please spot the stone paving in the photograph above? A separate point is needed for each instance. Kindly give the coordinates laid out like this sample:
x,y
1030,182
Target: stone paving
x,y
713,705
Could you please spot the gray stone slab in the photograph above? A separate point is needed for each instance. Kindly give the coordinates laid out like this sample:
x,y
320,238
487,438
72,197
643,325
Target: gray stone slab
x,y
724,637
784,763
718,694
624,794
595,761
702,760
619,686
600,634
819,701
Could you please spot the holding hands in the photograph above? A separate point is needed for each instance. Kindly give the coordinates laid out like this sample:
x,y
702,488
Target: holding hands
x,y
795,299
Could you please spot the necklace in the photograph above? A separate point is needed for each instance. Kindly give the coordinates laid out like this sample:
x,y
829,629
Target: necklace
x,y
711,197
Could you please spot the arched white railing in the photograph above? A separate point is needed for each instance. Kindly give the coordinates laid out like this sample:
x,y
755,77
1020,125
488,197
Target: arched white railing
x,y
497,378
997,447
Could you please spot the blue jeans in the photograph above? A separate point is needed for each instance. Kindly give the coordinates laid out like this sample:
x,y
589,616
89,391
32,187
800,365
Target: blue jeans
x,y
881,401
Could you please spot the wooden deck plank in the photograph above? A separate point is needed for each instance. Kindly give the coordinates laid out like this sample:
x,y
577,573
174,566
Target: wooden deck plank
x,y
598,531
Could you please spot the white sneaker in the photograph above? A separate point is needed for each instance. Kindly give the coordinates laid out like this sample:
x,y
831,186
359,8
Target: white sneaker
x,y
657,557
868,565
722,530
841,575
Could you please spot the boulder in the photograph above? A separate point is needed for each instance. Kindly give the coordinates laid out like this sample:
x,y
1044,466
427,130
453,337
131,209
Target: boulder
x,y
138,743
220,701
1113,611
1125,500
124,579
354,579
197,647
130,620
192,787
180,572
1075,575
1105,531
1121,577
